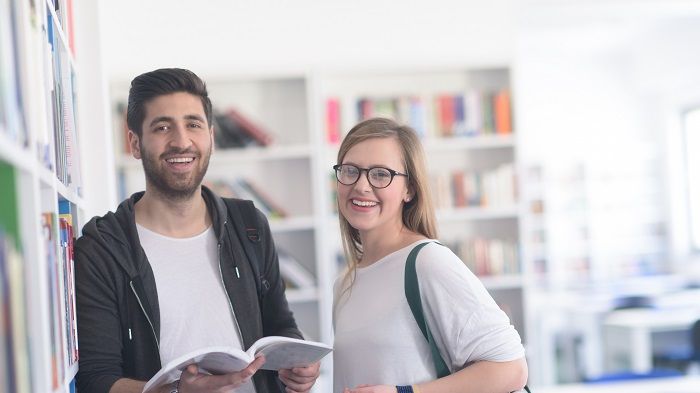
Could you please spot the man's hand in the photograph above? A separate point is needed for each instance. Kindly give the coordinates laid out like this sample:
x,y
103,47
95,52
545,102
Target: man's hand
x,y
191,381
300,379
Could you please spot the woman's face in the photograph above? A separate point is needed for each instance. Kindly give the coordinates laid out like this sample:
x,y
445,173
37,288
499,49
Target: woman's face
x,y
368,209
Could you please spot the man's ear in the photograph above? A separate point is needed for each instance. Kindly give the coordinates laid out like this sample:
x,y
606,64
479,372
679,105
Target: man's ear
x,y
211,135
134,145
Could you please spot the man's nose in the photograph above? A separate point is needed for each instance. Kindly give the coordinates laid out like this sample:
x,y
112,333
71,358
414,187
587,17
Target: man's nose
x,y
180,137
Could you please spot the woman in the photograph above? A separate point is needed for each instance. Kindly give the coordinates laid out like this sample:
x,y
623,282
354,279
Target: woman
x,y
385,210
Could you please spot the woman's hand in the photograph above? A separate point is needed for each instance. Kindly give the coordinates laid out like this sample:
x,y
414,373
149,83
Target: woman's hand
x,y
371,389
300,379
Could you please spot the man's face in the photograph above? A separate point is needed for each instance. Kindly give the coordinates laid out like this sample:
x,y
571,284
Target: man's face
x,y
175,145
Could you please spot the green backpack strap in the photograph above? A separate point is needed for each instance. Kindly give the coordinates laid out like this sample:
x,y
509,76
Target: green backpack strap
x,y
413,296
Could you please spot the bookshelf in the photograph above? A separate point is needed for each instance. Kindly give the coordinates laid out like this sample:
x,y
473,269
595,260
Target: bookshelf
x,y
45,198
280,174
294,170
464,119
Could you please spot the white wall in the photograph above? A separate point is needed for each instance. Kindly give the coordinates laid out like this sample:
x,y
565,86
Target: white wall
x,y
219,37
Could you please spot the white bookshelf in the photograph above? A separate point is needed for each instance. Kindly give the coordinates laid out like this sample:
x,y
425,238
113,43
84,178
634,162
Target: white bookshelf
x,y
41,157
295,170
284,170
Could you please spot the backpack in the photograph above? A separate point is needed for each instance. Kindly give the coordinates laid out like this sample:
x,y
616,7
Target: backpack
x,y
412,292
244,217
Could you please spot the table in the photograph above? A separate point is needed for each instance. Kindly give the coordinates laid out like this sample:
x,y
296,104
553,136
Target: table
x,y
686,384
644,322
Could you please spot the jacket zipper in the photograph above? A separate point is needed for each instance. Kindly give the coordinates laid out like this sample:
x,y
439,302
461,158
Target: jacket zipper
x,y
153,330
228,298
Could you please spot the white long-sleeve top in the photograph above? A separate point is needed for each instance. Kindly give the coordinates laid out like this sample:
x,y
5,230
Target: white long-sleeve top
x,y
377,340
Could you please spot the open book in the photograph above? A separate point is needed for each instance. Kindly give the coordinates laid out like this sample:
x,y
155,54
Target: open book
x,y
280,353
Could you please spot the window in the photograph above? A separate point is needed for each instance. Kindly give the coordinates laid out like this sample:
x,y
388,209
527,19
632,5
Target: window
x,y
691,126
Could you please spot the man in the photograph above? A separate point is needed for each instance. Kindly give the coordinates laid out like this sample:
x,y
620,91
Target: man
x,y
166,273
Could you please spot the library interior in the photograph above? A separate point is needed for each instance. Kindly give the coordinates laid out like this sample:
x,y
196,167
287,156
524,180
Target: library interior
x,y
559,138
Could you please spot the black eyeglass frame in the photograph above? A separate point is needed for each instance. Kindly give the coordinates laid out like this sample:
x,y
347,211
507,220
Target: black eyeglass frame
x,y
392,172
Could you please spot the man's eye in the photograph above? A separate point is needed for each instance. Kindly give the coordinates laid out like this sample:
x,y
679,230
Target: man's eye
x,y
162,128
195,125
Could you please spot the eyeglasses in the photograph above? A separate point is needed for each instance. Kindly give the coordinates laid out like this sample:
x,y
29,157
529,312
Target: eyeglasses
x,y
378,177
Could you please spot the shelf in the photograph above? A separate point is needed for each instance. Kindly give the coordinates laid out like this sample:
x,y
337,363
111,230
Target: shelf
x,y
291,224
15,154
68,193
469,143
237,156
302,295
502,282
477,213
256,153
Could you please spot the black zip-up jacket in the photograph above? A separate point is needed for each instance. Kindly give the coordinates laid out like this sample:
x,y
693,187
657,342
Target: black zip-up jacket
x,y
117,303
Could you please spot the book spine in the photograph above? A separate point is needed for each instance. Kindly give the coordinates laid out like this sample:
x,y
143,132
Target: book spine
x,y
256,132
333,120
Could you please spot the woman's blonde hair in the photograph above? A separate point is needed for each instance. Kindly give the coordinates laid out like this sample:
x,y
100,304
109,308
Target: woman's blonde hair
x,y
418,214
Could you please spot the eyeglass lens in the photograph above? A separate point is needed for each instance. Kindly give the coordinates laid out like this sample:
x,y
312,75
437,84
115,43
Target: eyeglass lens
x,y
377,177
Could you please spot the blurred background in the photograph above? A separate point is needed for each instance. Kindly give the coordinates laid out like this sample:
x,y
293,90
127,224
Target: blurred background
x,y
561,140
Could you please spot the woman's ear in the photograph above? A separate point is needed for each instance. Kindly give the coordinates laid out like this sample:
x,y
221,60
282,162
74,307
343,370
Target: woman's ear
x,y
408,197
410,193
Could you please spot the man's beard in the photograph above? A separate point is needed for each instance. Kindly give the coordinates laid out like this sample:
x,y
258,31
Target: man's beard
x,y
175,187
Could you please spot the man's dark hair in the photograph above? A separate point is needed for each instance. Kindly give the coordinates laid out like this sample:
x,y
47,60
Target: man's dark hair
x,y
150,85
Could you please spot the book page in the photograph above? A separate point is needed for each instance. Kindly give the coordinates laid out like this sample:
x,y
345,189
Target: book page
x,y
286,352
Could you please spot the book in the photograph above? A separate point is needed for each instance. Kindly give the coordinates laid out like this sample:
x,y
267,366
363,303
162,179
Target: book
x,y
333,120
229,134
261,136
502,112
280,353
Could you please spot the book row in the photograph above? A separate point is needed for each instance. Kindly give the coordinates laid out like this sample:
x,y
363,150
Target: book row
x,y
37,98
58,237
488,257
15,370
471,113
62,116
233,129
463,188
243,188
13,122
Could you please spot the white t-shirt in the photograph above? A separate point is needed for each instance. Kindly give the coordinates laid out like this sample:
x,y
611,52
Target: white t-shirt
x,y
377,340
194,308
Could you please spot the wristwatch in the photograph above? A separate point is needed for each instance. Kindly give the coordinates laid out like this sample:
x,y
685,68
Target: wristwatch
x,y
175,388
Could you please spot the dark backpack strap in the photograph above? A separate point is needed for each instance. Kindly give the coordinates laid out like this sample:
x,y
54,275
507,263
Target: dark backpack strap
x,y
244,218
413,296
412,291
